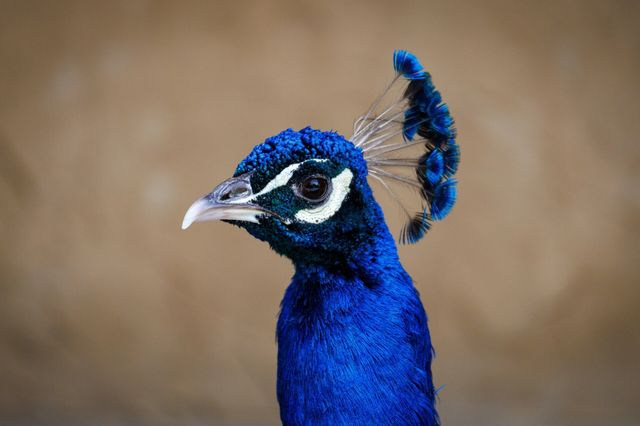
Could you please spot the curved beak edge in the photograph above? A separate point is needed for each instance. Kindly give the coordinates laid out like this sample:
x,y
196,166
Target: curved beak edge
x,y
206,209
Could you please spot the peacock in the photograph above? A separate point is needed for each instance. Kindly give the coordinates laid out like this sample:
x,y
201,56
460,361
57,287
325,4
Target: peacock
x,y
353,343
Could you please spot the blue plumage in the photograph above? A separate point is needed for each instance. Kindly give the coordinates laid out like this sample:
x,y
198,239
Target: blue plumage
x,y
412,121
416,228
434,166
427,116
451,158
408,65
353,341
444,197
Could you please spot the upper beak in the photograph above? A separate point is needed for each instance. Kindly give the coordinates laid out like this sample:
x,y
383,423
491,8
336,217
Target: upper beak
x,y
231,200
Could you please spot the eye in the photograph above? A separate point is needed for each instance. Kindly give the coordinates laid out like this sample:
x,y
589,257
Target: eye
x,y
314,188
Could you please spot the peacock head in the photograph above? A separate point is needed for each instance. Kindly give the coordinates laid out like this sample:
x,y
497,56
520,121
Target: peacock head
x,y
306,192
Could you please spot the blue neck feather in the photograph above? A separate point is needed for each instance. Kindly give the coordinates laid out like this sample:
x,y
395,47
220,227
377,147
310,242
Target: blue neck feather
x,y
354,347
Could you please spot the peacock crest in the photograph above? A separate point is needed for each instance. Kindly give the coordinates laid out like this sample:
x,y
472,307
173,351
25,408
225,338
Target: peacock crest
x,y
408,140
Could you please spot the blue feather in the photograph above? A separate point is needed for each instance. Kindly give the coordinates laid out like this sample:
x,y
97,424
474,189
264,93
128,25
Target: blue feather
x,y
411,123
408,65
444,197
429,117
434,166
441,122
451,158
416,228
433,114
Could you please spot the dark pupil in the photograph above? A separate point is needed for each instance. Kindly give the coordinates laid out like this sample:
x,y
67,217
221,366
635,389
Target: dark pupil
x,y
314,188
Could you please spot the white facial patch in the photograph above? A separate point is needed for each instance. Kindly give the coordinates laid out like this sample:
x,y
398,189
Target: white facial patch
x,y
280,180
341,186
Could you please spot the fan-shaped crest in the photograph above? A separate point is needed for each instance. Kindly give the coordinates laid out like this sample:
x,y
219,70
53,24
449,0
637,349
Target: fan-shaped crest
x,y
408,138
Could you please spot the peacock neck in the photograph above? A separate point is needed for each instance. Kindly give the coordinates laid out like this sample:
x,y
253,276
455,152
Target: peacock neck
x,y
351,332
324,296
365,256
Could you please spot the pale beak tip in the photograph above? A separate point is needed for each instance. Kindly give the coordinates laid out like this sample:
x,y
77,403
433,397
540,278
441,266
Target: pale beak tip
x,y
187,221
193,213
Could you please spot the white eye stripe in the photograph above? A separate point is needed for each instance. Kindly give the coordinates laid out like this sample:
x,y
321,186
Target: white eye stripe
x,y
341,187
281,179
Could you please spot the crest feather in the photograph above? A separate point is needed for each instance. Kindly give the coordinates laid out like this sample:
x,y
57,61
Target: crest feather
x,y
415,119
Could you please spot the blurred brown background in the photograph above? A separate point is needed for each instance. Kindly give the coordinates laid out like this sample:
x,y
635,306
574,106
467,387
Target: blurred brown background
x,y
115,116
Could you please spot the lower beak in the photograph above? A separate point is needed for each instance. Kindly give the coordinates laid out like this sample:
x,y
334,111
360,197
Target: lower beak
x,y
205,209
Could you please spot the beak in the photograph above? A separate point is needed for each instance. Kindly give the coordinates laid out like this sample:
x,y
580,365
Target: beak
x,y
231,200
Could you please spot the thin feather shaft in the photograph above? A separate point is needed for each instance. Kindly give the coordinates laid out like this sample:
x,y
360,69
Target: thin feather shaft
x,y
379,140
369,142
373,143
377,124
395,162
392,194
396,177
374,120
378,151
379,99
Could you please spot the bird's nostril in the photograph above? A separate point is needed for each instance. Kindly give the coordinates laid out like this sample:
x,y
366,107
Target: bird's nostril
x,y
235,191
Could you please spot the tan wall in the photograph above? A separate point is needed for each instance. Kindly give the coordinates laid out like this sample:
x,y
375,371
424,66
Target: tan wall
x,y
114,116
